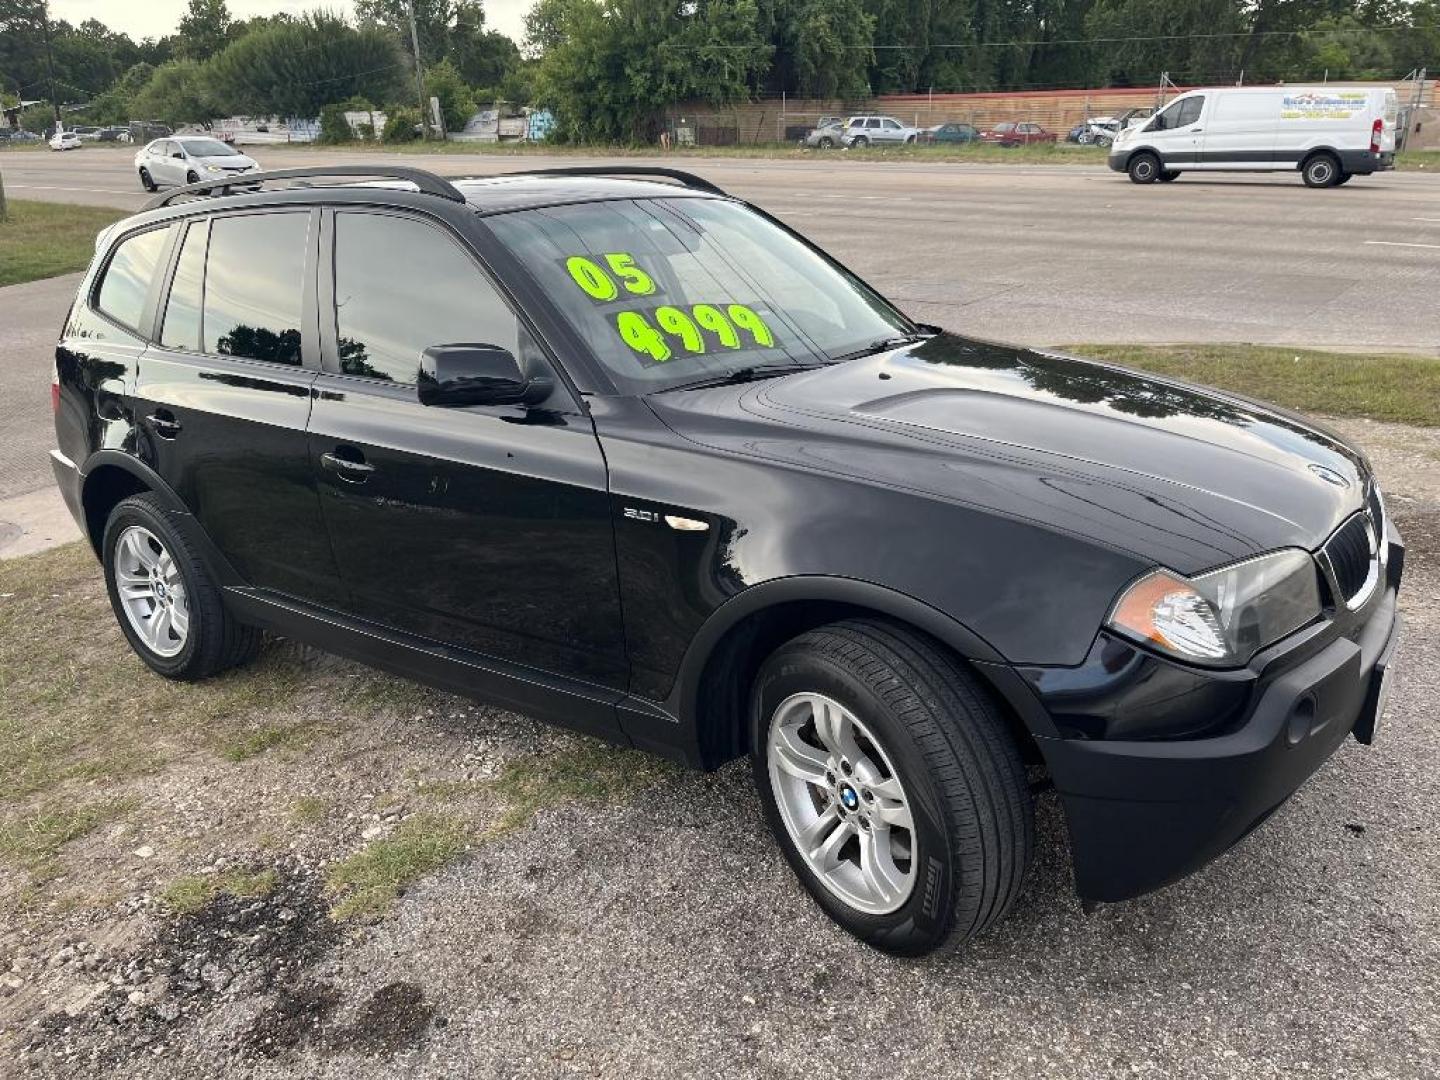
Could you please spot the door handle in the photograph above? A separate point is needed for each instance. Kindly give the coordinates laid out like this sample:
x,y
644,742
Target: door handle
x,y
1196,130
355,471
164,424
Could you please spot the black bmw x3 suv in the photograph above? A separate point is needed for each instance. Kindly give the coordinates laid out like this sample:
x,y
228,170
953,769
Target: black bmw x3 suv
x,y
629,455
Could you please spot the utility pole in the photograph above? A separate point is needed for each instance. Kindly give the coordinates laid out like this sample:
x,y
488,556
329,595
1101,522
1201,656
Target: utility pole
x,y
49,59
419,78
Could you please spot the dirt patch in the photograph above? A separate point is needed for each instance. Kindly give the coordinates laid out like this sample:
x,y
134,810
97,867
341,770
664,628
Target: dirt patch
x,y
232,947
395,1018
294,1017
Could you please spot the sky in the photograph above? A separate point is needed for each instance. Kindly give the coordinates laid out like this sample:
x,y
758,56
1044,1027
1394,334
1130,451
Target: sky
x,y
156,18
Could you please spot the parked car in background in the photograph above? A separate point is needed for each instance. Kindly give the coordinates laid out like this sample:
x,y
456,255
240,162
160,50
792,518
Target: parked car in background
x,y
1017,133
1103,129
188,160
87,133
825,134
1080,133
113,134
145,130
863,131
65,140
951,131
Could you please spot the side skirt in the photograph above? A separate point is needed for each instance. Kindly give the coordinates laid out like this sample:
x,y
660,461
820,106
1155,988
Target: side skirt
x,y
564,702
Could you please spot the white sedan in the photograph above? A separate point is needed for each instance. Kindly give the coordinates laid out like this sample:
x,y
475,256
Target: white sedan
x,y
65,140
188,159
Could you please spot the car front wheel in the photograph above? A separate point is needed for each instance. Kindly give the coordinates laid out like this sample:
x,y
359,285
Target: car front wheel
x,y
860,142
891,781
166,602
145,181
1144,168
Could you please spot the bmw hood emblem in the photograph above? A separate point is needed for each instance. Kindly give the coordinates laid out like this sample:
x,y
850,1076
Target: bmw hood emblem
x,y
1329,475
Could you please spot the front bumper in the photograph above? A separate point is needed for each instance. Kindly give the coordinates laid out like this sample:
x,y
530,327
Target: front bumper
x,y
1144,813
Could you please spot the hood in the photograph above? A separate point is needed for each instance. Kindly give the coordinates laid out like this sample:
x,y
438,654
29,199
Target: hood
x,y
228,161
1166,471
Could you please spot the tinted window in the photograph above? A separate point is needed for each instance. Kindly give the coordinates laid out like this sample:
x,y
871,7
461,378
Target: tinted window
x,y
1167,118
1190,111
181,328
891,124
402,286
254,278
127,279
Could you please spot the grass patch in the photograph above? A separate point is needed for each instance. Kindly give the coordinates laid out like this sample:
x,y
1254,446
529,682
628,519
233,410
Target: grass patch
x,y
85,708
189,894
40,239
243,746
1418,159
35,839
589,772
1379,386
367,883
309,809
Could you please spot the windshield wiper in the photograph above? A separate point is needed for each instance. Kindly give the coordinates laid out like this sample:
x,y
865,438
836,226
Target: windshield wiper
x,y
743,375
881,345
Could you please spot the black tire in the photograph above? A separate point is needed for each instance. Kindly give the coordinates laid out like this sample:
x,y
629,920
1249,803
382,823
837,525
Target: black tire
x,y
953,752
1103,140
192,178
1168,175
1344,178
1144,168
910,141
826,142
215,641
1320,171
860,142
145,181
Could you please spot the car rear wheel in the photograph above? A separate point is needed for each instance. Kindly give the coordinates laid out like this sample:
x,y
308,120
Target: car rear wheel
x,y
826,142
1344,178
860,142
167,604
1144,168
1321,170
890,779
145,181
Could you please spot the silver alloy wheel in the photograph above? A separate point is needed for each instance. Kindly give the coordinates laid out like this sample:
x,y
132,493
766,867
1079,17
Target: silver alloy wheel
x,y
151,591
842,802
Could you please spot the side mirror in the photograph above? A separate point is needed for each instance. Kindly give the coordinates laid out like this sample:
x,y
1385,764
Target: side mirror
x,y
476,374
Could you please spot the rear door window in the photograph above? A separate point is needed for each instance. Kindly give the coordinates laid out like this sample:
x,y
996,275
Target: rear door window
x,y
126,284
254,281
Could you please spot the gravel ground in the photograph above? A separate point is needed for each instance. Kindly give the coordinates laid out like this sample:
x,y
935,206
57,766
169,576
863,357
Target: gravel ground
x,y
663,935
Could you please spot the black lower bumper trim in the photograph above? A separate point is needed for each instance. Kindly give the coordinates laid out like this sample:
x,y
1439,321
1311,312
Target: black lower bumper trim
x,y
1143,814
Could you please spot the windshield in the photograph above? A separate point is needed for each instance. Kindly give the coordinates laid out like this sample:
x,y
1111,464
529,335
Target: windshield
x,y
1004,127
670,291
208,148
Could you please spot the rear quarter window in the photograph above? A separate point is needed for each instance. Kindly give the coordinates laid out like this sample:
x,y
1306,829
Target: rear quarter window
x,y
125,286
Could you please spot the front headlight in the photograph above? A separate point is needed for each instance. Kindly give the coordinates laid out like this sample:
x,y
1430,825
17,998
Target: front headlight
x,y
214,169
1224,617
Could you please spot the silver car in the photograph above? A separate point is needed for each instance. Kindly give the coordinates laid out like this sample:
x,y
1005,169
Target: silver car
x,y
188,159
863,131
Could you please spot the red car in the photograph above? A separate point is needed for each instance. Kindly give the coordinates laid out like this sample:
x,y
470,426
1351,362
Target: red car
x,y
1011,133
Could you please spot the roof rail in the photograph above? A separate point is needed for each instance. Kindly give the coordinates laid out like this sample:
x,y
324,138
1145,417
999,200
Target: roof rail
x,y
689,179
426,181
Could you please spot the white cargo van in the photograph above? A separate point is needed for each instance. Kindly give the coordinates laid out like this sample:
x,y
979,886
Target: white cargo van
x,y
1328,133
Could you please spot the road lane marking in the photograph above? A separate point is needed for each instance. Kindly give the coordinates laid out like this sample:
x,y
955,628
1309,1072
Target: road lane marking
x,y
94,190
1427,219
1400,243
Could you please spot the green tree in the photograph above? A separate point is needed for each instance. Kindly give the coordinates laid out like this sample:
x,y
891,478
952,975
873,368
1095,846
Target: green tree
x,y
294,68
204,29
823,48
175,94
611,66
115,105
457,103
